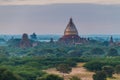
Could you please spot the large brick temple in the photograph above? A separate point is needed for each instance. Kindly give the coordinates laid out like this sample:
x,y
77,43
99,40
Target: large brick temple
x,y
71,35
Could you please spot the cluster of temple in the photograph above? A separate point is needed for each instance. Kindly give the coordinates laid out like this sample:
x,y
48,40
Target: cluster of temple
x,y
25,42
71,35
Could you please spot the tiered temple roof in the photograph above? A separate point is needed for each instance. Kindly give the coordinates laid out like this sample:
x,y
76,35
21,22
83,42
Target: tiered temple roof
x,y
71,34
70,29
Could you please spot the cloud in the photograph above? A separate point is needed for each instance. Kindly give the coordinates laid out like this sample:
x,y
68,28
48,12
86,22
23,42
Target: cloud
x,y
6,0
42,2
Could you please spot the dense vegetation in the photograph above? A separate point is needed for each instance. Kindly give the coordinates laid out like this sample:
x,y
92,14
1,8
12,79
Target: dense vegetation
x,y
29,63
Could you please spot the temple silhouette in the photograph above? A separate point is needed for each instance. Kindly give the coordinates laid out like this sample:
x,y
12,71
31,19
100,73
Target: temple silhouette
x,y
71,35
25,41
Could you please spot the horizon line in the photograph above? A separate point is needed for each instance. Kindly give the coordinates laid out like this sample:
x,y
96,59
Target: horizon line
x,y
60,34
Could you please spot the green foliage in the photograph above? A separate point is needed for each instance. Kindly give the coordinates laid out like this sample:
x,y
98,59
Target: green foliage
x,y
108,70
105,43
31,67
50,77
29,73
117,69
74,78
29,62
5,74
75,53
97,51
112,52
64,68
94,65
3,52
100,75
13,42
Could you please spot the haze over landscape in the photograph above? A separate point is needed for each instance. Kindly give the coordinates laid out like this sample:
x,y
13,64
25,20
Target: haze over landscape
x,y
51,17
59,39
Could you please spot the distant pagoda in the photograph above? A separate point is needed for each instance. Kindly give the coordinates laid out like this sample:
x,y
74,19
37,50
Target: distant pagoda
x,y
71,29
25,42
71,34
111,42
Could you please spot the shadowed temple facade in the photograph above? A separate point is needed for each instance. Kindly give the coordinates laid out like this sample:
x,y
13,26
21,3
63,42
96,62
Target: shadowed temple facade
x,y
71,35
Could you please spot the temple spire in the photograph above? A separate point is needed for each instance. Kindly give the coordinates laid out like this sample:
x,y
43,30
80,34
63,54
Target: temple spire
x,y
111,42
71,21
71,29
71,36
111,39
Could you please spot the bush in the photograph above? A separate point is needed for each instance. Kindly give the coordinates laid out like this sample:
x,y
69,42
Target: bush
x,y
112,52
117,69
30,74
64,68
108,70
74,53
5,74
99,76
50,77
97,51
94,66
74,78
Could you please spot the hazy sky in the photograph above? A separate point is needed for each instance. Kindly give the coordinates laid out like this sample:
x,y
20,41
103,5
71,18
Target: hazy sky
x,y
26,16
19,2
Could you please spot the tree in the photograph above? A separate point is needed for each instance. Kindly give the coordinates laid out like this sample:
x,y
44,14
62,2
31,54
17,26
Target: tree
x,y
64,68
106,43
75,53
112,52
74,78
94,65
99,76
97,51
50,77
108,70
8,75
117,69
33,36
3,52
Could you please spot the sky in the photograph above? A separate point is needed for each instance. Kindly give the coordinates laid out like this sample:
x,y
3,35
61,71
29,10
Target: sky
x,y
34,2
52,16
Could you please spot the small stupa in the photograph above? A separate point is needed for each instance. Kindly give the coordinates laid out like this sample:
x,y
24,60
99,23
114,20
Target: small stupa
x,y
111,42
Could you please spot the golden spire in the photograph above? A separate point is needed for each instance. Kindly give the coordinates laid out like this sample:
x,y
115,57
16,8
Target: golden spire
x,y
71,29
